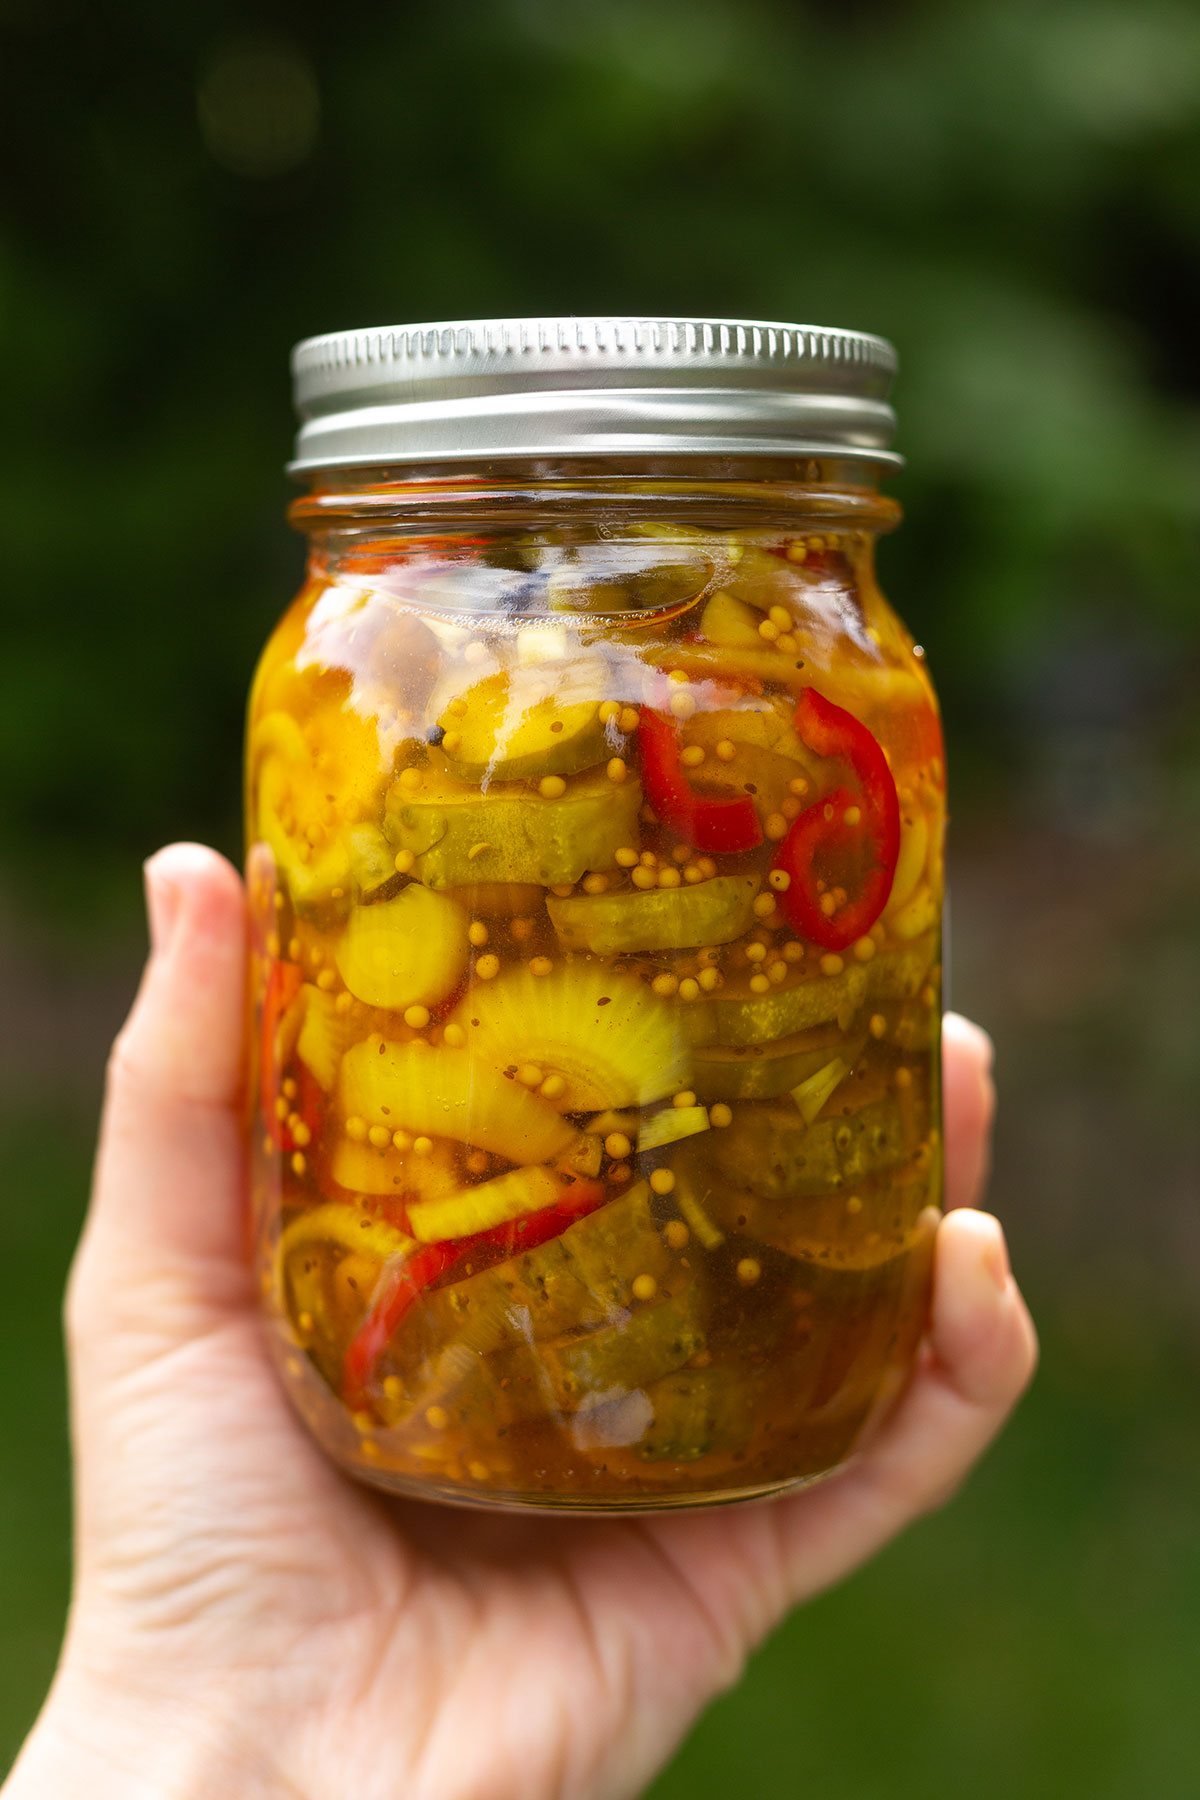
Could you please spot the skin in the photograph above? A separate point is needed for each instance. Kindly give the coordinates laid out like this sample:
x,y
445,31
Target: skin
x,y
246,1620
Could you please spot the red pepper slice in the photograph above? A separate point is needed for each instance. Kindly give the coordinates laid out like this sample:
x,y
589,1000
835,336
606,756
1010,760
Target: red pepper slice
x,y
409,1280
283,984
723,826
829,840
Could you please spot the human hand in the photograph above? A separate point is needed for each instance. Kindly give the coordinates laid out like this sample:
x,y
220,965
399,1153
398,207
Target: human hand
x,y
248,1621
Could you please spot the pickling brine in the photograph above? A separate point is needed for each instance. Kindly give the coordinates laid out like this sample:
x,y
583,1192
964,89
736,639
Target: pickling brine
x,y
595,863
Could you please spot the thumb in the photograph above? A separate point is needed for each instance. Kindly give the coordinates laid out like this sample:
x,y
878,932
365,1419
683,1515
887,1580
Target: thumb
x,y
163,1249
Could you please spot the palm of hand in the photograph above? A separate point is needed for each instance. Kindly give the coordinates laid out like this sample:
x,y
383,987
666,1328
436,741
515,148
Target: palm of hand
x,y
347,1644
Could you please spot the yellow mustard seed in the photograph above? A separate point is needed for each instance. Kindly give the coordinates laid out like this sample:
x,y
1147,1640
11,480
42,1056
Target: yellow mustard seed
x,y
852,816
326,980
410,780
422,1146
748,1271
797,552
355,1129
379,1136
759,984
344,1003
769,630
669,877
298,1163
540,965
609,712
644,878
289,1088
616,770
404,860
692,873
903,1078
617,1144
479,1471
707,866
864,949
720,1115
666,985
676,1234
458,708
764,905
487,967
877,1026
417,1017
708,979
787,642
451,742
777,972
756,953
305,1321
595,884
692,756
437,1417
553,1088
680,853
831,963
295,949
779,615
662,1181
393,1387
725,750
626,858
521,929
478,1162
301,1134
563,890
775,827
854,1204
684,1098
643,1287
402,1141
678,676
780,880
683,706
477,933
552,787
530,1076
828,905
454,1035
689,989
618,1173
791,809
628,719
798,785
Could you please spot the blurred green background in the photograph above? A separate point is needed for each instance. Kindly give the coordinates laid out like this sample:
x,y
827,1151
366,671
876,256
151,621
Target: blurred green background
x,y
1010,190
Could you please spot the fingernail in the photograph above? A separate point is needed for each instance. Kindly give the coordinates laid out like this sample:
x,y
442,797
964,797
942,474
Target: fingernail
x,y
995,1260
162,907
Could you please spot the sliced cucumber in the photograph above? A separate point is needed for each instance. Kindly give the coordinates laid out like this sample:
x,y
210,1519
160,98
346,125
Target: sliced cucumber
x,y
404,952
362,1169
711,912
510,834
763,1071
769,1148
449,1093
736,1017
731,622
613,1041
651,1343
528,723
325,1034
855,1229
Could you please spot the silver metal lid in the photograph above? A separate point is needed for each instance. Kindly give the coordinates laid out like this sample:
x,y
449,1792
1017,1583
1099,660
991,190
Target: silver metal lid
x,y
486,388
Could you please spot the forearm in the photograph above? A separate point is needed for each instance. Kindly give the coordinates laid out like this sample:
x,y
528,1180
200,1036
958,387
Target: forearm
x,y
114,1745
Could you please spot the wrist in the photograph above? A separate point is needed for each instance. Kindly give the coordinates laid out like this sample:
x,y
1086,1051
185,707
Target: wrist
x,y
101,1740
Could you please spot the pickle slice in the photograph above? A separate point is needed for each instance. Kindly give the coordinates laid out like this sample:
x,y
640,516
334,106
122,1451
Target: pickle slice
x,y
711,912
459,836
730,622
736,1017
403,952
769,1148
324,1035
763,1071
527,723
697,1412
857,1229
561,1374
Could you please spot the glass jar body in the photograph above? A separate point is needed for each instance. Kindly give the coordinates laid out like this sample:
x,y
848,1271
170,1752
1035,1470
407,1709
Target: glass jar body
x,y
595,838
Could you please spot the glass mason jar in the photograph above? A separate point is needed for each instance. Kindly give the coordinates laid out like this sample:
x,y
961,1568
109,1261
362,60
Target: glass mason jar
x,y
595,806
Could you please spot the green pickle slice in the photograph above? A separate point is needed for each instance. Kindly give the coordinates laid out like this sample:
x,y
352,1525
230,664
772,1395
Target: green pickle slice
x,y
522,725
458,836
711,912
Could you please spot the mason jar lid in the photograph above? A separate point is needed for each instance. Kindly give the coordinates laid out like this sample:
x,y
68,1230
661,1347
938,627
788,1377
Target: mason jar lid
x,y
485,388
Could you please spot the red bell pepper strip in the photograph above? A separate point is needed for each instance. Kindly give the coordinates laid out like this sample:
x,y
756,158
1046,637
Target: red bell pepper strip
x,y
723,826
846,831
408,1280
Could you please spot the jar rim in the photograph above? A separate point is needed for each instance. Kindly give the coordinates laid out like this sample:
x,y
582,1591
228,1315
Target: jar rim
x,y
604,385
